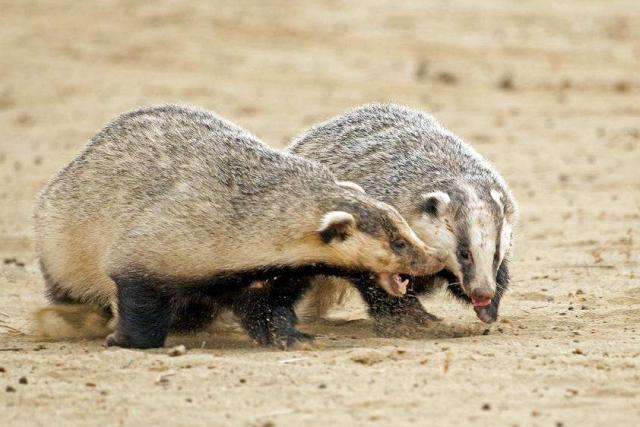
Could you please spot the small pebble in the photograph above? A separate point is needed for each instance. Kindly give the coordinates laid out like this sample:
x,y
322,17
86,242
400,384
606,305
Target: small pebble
x,y
486,407
90,384
10,389
23,380
322,385
2,369
178,350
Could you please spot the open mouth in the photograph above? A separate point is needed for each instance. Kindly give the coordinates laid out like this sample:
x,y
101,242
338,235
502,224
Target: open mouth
x,y
480,302
394,283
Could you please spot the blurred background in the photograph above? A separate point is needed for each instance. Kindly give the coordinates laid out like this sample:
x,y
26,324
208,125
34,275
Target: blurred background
x,y
537,86
549,91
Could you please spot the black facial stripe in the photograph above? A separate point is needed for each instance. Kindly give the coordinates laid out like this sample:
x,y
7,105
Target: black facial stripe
x,y
496,256
466,266
367,220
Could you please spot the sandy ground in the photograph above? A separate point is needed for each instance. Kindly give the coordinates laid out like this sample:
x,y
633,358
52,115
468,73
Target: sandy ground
x,y
549,91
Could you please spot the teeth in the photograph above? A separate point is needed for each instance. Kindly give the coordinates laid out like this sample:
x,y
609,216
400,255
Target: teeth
x,y
393,284
402,286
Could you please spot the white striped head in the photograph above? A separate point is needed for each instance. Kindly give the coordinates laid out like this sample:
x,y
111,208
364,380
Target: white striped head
x,y
473,225
364,233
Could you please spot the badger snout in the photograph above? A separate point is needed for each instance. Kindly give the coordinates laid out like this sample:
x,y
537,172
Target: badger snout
x,y
431,262
481,296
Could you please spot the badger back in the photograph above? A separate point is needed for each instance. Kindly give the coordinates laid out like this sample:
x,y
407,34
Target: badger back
x,y
408,148
215,186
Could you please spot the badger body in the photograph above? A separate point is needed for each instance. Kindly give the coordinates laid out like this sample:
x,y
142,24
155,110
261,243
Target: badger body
x,y
170,210
441,185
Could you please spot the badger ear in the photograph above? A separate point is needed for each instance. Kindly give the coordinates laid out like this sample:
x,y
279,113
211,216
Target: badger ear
x,y
350,185
435,203
336,225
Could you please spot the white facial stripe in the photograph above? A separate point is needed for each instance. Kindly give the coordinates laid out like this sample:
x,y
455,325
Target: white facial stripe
x,y
350,185
483,238
505,239
497,197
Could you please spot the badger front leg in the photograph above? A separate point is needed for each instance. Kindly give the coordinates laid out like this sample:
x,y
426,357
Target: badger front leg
x,y
254,312
144,313
284,292
389,312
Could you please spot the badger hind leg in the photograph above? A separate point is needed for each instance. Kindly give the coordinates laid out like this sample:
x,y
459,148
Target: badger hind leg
x,y
69,317
55,293
73,321
193,313
144,313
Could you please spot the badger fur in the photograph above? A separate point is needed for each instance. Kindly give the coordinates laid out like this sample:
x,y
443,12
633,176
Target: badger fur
x,y
441,185
171,210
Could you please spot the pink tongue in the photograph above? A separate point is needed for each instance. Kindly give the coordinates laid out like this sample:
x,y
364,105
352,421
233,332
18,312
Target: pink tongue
x,y
399,286
481,302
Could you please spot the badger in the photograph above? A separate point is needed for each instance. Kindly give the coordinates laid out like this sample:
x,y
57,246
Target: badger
x,y
171,210
443,188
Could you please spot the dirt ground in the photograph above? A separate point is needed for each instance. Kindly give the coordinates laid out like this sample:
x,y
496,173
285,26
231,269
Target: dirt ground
x,y
548,91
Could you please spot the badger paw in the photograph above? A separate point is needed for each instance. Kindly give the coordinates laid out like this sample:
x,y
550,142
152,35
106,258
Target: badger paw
x,y
293,340
285,333
116,340
258,330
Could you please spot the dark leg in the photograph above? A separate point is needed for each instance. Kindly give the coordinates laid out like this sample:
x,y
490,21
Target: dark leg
x,y
193,313
284,293
144,314
489,314
254,310
389,311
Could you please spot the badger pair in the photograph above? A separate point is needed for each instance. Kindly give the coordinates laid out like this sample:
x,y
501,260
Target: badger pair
x,y
171,212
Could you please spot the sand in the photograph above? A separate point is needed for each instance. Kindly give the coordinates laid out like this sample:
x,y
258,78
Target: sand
x,y
548,91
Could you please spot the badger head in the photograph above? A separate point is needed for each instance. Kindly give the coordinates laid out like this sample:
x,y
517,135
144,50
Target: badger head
x,y
372,236
473,224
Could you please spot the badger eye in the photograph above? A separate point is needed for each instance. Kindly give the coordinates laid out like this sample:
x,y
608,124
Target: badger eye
x,y
465,254
398,244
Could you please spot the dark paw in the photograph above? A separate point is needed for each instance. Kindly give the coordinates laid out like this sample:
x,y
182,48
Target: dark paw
x,y
488,314
286,335
119,340
294,338
116,340
259,330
